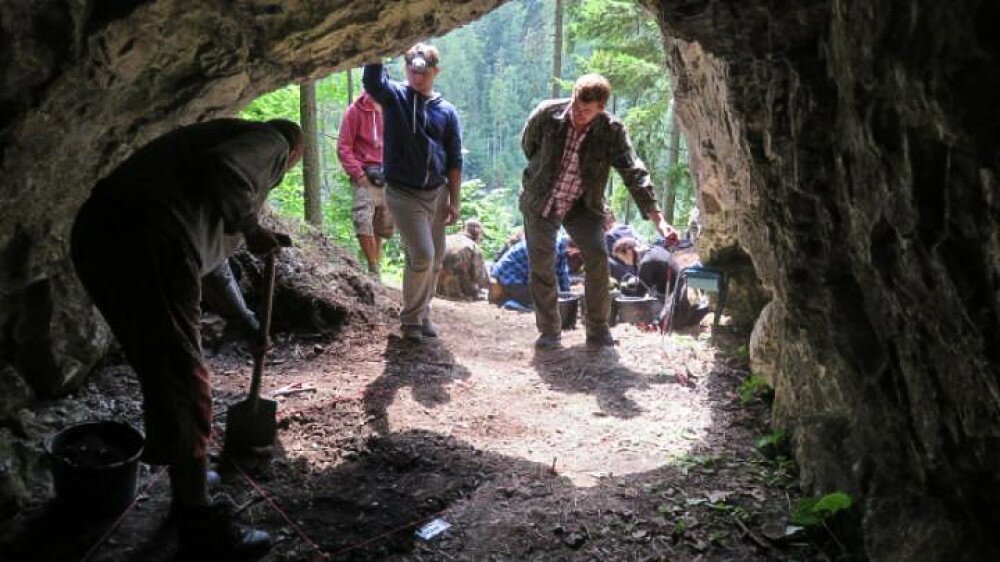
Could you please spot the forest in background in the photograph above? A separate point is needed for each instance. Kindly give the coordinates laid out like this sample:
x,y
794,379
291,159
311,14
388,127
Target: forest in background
x,y
496,70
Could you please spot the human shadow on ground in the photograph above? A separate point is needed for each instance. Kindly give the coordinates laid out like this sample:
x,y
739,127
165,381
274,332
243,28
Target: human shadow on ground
x,y
427,368
593,371
367,505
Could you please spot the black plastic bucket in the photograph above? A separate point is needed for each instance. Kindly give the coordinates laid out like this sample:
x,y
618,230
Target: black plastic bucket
x,y
637,310
568,306
95,466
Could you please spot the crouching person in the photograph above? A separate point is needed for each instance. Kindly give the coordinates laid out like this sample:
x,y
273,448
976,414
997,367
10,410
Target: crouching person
x,y
463,271
141,244
509,286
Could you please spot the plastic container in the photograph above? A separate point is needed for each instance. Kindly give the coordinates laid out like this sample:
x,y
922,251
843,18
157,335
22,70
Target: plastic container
x,y
95,466
637,310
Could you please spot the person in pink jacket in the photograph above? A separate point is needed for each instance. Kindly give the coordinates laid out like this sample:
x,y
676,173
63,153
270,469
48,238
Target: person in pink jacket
x,y
359,146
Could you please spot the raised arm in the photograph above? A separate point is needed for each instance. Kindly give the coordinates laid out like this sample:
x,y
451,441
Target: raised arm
x,y
376,83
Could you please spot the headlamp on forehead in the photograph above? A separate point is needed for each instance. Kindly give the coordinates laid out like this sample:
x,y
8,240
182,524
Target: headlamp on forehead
x,y
418,63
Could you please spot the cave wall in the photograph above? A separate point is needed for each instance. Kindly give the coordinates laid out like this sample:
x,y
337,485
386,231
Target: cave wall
x,y
851,148
85,82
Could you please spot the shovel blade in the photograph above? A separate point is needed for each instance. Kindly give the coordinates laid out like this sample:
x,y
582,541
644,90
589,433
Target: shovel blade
x,y
250,426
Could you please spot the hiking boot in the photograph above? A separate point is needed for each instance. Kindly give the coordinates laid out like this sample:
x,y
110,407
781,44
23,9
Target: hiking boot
x,y
208,532
600,337
413,332
546,342
427,329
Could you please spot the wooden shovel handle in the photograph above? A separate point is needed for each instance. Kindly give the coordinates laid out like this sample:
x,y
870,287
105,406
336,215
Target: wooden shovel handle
x,y
265,327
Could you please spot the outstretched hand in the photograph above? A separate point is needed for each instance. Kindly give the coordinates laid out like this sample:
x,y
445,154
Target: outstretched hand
x,y
667,232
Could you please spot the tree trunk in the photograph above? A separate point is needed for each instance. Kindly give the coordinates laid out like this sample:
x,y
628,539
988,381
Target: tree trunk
x,y
311,193
673,151
557,48
350,86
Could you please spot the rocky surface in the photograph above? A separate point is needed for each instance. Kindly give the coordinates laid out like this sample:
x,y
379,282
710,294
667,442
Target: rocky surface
x,y
848,148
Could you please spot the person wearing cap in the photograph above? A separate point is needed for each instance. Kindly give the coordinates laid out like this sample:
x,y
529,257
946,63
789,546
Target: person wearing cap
x,y
423,172
571,146
141,244
359,146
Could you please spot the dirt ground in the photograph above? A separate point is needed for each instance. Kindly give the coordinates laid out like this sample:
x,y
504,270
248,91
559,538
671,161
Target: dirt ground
x,y
645,452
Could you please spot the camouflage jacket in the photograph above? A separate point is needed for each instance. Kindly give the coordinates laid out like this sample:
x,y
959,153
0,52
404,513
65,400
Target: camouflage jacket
x,y
607,144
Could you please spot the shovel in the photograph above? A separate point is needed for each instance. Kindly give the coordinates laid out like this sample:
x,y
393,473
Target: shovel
x,y
251,424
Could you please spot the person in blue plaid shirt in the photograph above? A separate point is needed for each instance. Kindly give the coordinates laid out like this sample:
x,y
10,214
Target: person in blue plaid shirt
x,y
511,274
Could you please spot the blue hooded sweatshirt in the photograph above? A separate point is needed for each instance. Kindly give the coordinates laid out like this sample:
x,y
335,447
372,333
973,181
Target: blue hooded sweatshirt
x,y
423,137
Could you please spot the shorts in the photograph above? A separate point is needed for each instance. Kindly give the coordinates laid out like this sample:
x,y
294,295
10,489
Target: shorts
x,y
371,214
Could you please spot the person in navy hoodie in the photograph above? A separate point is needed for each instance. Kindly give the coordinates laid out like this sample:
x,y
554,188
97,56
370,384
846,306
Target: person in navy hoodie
x,y
422,158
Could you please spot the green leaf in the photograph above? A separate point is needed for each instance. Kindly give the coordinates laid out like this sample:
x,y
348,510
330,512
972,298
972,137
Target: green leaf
x,y
804,515
813,511
832,503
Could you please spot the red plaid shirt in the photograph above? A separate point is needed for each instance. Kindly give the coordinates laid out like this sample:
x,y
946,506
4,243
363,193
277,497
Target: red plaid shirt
x,y
568,187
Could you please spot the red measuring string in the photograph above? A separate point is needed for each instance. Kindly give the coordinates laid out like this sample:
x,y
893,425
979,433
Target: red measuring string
x,y
277,509
114,526
301,532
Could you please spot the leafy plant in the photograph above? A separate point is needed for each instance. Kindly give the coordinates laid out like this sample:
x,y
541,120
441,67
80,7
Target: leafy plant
x,y
680,527
753,387
810,512
773,440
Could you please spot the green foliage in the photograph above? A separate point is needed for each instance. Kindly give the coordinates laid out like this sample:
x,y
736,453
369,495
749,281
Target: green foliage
x,y
680,527
810,512
496,70
493,208
773,440
283,103
752,388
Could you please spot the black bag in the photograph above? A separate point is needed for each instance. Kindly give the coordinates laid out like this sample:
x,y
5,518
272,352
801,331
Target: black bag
x,y
375,175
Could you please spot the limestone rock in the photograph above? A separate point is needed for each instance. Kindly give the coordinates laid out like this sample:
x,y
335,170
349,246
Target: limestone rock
x,y
765,343
850,149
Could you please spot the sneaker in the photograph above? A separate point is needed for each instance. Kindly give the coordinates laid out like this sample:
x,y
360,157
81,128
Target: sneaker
x,y
427,329
413,332
600,337
548,342
208,532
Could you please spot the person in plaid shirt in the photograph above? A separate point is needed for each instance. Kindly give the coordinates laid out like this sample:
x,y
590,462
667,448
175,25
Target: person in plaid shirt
x,y
512,272
571,146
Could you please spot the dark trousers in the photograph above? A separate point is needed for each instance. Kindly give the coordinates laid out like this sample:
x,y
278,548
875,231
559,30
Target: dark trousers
x,y
586,230
147,286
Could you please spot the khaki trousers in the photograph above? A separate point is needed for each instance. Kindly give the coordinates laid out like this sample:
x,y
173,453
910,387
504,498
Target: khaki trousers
x,y
419,216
